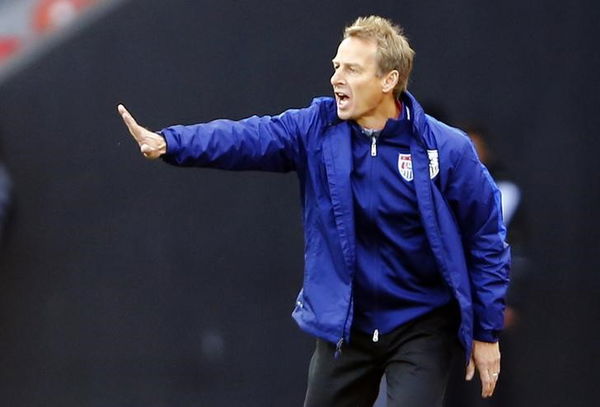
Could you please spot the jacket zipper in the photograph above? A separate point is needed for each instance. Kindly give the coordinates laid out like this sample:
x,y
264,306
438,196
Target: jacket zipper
x,y
373,146
372,164
340,342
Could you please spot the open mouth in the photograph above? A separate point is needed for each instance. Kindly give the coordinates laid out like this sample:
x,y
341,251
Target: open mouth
x,y
342,99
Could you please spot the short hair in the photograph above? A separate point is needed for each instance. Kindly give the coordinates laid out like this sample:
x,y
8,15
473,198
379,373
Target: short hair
x,y
393,50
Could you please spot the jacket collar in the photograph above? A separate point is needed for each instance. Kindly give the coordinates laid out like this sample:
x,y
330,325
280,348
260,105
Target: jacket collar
x,y
418,119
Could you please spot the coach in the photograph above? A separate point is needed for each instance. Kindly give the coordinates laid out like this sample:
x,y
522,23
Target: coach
x,y
405,258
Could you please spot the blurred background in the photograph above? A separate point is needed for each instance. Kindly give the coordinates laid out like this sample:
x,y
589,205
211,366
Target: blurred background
x,y
125,282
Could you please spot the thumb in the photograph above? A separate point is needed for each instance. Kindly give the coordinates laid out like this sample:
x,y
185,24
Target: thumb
x,y
145,149
470,370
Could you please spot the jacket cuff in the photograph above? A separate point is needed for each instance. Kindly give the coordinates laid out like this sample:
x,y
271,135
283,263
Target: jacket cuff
x,y
164,133
483,335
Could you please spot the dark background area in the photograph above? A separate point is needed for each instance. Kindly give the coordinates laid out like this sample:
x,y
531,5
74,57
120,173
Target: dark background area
x,y
125,282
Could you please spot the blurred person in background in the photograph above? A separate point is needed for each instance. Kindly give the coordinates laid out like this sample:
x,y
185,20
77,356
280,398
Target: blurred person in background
x,y
514,216
405,258
5,197
460,394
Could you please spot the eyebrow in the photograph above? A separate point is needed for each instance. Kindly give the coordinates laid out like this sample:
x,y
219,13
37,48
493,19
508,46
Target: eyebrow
x,y
350,64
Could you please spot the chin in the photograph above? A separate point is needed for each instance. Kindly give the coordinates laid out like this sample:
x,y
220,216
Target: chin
x,y
344,115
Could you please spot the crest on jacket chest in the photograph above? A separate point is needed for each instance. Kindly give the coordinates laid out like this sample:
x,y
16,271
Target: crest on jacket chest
x,y
405,165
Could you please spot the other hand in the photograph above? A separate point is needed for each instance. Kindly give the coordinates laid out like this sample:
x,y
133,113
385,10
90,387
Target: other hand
x,y
486,359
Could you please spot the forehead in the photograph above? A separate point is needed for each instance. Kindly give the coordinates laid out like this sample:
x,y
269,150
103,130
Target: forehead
x,y
353,50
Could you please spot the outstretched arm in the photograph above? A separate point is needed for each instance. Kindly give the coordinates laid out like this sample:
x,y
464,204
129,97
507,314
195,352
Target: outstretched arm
x,y
266,143
152,145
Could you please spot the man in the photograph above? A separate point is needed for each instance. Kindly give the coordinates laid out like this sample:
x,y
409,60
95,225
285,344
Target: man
x,y
403,228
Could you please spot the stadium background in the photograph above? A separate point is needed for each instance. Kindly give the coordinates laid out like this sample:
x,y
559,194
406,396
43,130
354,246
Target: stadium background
x,y
128,282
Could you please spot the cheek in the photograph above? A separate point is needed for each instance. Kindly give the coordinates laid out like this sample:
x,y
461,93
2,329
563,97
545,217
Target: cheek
x,y
360,90
367,93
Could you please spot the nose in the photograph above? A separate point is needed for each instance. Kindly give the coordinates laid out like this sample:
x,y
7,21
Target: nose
x,y
336,78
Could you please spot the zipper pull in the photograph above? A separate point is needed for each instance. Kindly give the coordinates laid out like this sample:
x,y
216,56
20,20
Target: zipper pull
x,y
338,348
376,335
373,146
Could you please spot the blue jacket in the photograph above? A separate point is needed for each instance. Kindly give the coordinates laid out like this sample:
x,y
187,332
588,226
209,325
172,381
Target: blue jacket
x,y
460,207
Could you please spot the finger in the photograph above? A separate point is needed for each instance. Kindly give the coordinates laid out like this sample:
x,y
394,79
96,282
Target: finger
x,y
486,383
490,387
494,383
127,117
494,374
470,370
129,121
489,384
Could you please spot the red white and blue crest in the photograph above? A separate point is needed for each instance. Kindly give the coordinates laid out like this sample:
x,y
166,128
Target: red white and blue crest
x,y
405,165
434,163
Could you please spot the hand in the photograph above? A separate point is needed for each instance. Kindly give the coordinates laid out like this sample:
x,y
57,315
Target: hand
x,y
486,358
152,145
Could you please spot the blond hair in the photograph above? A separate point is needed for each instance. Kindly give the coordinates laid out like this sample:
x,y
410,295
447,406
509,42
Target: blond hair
x,y
393,50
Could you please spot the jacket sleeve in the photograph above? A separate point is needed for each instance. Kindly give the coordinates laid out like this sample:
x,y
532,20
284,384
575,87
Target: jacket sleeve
x,y
476,203
269,143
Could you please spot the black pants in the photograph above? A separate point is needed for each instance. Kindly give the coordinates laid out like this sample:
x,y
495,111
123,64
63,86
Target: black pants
x,y
416,359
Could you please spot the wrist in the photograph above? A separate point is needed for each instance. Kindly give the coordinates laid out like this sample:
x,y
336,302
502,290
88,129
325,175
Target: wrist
x,y
162,147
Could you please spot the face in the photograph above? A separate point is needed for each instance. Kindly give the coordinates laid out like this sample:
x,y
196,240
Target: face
x,y
360,92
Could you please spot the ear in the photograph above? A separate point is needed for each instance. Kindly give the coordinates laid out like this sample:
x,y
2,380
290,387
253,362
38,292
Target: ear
x,y
390,81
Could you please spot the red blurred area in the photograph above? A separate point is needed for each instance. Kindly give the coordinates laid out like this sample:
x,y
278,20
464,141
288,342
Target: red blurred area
x,y
52,14
9,45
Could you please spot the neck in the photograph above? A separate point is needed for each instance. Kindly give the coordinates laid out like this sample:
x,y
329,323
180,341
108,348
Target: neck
x,y
389,108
